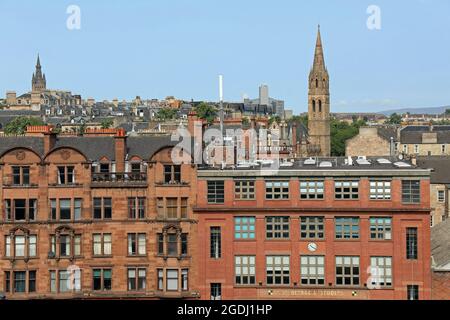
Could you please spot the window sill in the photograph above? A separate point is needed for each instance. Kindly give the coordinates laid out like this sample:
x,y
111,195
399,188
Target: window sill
x,y
102,256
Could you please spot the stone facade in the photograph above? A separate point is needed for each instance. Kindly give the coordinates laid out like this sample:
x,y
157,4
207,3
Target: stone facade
x,y
86,216
368,143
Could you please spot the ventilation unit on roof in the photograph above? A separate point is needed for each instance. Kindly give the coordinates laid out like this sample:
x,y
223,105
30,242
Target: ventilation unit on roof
x,y
326,164
401,164
383,161
310,161
362,161
286,164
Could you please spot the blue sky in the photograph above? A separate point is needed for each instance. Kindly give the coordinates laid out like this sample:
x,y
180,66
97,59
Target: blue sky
x,y
179,47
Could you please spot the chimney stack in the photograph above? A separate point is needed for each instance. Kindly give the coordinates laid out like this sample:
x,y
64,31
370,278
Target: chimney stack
x,y
294,138
45,131
120,149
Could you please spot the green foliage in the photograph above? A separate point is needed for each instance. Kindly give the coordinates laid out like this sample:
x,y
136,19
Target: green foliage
x,y
394,119
206,112
165,114
245,121
107,123
301,119
447,112
19,125
341,131
273,119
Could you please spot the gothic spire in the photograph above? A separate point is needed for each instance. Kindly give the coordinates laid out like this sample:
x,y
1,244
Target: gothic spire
x,y
38,63
319,61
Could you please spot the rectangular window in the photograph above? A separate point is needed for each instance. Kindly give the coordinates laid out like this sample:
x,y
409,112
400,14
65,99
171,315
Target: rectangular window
x,y
245,270
380,190
136,244
347,271
20,209
381,271
7,246
19,246
160,279
172,280
216,291
31,281
171,208
277,190
184,243
441,196
312,228
66,175
346,190
215,242
411,243
277,270
172,244
21,176
413,292
102,279
216,192
7,281
277,227
160,243
347,228
136,208
102,244
32,245
137,279
102,208
411,191
172,174
380,228
64,245
311,190
184,208
312,270
65,209
185,279
244,228
244,190
20,281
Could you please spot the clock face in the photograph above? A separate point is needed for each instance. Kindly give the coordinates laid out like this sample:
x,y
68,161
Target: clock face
x,y
312,247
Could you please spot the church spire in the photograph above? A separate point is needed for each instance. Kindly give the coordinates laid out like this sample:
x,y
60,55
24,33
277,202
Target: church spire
x,y
319,61
38,63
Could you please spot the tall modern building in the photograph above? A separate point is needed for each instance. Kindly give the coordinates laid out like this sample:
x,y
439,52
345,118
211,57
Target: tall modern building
x,y
319,104
264,94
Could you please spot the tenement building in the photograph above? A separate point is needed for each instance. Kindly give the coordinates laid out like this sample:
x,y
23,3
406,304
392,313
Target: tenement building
x,y
315,229
98,216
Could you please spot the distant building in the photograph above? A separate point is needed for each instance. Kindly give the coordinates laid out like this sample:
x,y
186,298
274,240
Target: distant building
x,y
372,142
440,252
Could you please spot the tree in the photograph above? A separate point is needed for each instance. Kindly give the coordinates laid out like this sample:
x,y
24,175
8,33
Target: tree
x,y
245,121
340,132
301,119
19,125
206,112
447,112
394,119
165,114
273,119
107,123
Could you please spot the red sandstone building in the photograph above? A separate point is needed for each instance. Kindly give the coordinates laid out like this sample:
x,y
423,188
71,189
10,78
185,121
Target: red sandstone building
x,y
314,230
98,216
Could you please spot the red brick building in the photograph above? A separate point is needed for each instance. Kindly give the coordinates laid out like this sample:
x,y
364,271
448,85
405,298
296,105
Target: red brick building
x,y
99,216
315,231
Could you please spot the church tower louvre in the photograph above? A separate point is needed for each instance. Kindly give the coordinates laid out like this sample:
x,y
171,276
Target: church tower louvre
x,y
38,81
319,105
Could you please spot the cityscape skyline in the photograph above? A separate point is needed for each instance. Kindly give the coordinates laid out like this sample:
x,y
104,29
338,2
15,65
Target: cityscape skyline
x,y
131,66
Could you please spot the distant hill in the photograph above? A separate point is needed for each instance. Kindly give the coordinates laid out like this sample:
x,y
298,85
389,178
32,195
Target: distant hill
x,y
429,110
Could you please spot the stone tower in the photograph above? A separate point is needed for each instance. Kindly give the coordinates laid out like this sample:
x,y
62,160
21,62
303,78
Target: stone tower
x,y
319,105
38,82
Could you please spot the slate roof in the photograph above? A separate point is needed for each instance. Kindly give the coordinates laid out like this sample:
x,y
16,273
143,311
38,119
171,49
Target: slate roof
x,y
440,245
387,133
413,134
94,148
440,166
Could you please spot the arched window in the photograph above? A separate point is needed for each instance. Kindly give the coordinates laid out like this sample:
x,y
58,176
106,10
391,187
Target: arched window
x,y
320,105
317,83
314,106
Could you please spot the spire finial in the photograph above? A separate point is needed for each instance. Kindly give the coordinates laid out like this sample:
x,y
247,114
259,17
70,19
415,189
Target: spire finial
x,y
38,63
318,55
